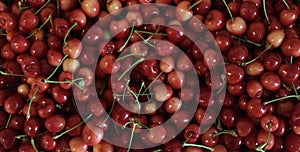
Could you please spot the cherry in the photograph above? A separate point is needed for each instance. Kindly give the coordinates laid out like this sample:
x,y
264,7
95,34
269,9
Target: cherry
x,y
77,144
255,108
92,135
223,40
33,126
256,31
214,20
270,81
288,16
47,142
19,44
234,73
7,138
13,104
183,12
288,72
208,139
291,47
55,123
8,21
249,11
28,21
31,67
254,89
237,54
45,108
244,127
272,61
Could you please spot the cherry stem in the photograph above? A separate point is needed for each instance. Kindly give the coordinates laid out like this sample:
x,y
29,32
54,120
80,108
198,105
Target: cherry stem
x,y
223,77
230,132
56,68
128,38
135,96
286,4
129,55
247,41
228,9
131,136
132,66
20,137
33,145
30,102
285,86
80,86
257,57
150,33
47,20
295,89
109,113
265,11
74,127
68,32
156,78
261,147
200,146
57,8
36,12
11,74
282,98
145,40
196,3
104,86
62,82
8,121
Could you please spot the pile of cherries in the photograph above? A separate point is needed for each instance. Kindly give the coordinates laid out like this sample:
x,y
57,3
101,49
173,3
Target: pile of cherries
x,y
74,74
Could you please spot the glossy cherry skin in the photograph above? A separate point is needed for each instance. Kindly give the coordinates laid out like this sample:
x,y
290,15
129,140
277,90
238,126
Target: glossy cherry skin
x,y
7,137
234,73
13,104
237,26
9,21
31,67
28,21
215,20
255,108
270,81
33,126
288,72
291,47
294,115
291,142
19,44
256,31
249,11
288,17
55,123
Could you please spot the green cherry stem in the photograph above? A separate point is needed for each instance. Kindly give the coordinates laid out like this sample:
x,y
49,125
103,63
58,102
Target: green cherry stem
x,y
282,98
265,11
246,40
109,113
8,121
156,78
128,38
200,146
47,20
223,77
230,132
228,9
129,55
56,68
257,57
30,102
261,147
133,65
74,127
62,82
33,145
36,12
286,4
11,74
150,33
68,32
145,40
196,3
131,136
